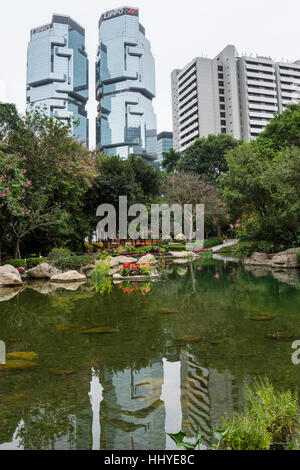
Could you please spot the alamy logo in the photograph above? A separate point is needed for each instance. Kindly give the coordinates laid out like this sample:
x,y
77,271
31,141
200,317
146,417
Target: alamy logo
x,y
2,353
160,222
296,355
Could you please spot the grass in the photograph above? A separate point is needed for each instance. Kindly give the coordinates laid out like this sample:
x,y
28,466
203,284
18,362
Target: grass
x,y
270,417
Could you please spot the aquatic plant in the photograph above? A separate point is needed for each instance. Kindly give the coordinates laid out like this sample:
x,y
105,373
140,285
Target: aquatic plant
x,y
270,417
181,443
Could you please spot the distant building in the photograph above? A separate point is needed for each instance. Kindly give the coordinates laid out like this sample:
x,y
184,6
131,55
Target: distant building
x,y
57,72
125,87
231,94
164,144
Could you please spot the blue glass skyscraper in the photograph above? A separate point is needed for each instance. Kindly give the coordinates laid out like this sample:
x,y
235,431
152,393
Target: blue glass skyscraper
x,y
125,87
57,72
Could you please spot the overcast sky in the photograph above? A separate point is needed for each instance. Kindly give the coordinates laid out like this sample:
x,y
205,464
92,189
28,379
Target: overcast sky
x,y
178,30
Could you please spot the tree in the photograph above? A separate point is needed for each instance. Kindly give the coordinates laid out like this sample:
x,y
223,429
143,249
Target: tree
x,y
284,129
60,171
189,188
135,178
264,193
13,184
147,177
9,119
206,156
170,160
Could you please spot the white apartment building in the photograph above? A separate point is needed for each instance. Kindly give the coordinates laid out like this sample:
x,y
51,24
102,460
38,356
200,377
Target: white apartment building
x,y
232,94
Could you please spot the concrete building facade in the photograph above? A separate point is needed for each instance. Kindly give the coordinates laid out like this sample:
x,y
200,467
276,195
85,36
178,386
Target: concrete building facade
x,y
232,94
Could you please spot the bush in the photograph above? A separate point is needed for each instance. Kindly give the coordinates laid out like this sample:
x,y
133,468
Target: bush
x,y
211,242
98,245
57,253
177,247
88,246
270,417
33,262
73,262
17,263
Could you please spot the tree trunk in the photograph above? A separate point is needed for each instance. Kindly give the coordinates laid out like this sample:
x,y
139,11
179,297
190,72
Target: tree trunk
x,y
219,230
17,254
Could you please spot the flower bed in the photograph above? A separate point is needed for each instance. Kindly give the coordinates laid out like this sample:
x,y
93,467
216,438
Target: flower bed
x,y
131,270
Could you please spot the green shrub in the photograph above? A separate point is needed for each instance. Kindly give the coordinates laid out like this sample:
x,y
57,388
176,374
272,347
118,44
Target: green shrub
x,y
33,262
270,417
88,246
211,242
73,262
244,432
58,253
17,263
177,247
98,245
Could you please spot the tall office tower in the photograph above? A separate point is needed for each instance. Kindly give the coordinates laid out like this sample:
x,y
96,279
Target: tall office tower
x,y
232,94
164,144
125,87
57,72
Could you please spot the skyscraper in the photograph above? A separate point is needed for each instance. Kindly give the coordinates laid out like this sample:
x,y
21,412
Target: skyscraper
x,y
231,94
57,72
125,87
164,144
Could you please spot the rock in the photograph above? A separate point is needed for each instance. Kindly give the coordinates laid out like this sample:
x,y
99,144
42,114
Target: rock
x,y
182,254
258,259
87,270
69,276
43,271
148,259
10,276
285,259
118,260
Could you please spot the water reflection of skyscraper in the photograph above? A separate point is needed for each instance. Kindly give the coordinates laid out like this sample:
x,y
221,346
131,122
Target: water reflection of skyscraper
x,y
132,413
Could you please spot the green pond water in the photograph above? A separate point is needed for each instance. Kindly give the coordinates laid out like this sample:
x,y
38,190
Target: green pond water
x,y
177,353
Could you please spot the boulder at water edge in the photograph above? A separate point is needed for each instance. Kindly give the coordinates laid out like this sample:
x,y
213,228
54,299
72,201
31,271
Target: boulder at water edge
x,y
43,271
148,259
69,276
10,276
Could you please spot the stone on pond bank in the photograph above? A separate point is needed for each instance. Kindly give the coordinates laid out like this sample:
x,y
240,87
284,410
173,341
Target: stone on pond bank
x,y
69,276
284,259
148,259
43,271
10,276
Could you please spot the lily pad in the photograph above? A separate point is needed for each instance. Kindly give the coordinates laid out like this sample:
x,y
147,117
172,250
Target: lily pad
x,y
62,373
282,336
25,355
190,339
103,330
167,311
263,317
17,365
70,328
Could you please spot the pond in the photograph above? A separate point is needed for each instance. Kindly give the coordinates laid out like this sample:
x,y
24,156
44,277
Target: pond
x,y
177,353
